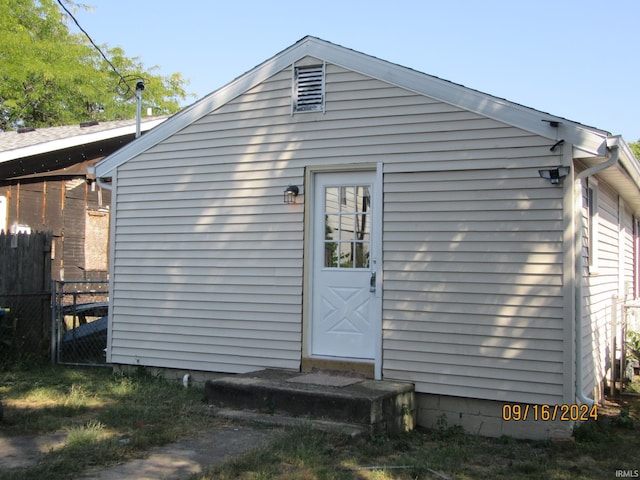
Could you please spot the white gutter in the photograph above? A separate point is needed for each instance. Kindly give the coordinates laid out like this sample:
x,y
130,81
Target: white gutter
x,y
102,184
579,264
91,172
612,147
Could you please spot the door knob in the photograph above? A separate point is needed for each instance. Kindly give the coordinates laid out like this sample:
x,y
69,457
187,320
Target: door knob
x,y
372,282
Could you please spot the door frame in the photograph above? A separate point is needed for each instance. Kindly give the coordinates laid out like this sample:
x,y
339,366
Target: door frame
x,y
376,253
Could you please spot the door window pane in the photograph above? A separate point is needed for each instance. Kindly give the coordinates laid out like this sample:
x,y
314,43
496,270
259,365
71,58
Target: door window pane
x,y
332,199
330,254
362,227
347,198
362,255
346,255
363,199
347,226
331,228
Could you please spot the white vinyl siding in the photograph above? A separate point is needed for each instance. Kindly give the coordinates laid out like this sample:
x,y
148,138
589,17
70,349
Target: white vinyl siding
x,y
208,262
208,259
605,291
592,225
627,238
473,302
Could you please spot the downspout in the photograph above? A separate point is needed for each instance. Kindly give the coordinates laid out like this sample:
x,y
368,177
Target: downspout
x,y
579,265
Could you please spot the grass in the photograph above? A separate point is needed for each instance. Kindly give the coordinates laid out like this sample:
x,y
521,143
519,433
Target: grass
x,y
448,453
107,417
598,450
110,417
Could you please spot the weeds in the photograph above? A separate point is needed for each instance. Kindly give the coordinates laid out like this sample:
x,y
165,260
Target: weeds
x,y
107,417
91,432
597,451
110,417
624,419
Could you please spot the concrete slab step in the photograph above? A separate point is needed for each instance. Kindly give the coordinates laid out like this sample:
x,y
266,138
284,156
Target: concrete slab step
x,y
377,405
275,420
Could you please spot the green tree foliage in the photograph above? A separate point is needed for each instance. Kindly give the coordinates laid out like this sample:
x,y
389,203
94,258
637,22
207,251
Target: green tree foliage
x,y
635,148
51,76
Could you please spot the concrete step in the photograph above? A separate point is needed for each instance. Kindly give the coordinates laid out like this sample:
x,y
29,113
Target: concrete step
x,y
275,420
377,405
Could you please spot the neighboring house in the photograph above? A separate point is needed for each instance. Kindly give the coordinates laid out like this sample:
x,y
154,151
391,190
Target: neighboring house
x,y
423,245
44,187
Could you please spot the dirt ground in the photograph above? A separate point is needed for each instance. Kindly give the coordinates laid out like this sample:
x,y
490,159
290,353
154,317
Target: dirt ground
x,y
174,461
24,451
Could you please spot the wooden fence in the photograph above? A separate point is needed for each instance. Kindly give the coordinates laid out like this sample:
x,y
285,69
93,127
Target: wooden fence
x,y
25,289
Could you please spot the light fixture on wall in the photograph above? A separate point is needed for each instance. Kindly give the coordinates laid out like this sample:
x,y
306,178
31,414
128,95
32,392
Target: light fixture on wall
x,y
554,175
290,194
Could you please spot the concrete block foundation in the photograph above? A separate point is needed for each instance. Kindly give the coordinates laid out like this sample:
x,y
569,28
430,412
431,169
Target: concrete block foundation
x,y
485,418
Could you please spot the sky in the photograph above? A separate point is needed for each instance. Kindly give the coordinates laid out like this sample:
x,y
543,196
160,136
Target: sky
x,y
576,59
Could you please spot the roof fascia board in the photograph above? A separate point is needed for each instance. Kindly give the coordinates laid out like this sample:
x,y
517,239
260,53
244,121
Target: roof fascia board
x,y
589,140
626,158
201,108
622,174
76,140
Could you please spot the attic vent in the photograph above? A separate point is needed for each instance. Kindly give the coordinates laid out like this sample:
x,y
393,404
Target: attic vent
x,y
26,129
308,89
90,123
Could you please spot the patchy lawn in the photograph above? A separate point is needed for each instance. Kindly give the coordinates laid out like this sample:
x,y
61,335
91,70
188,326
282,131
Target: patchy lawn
x,y
107,417
597,452
110,417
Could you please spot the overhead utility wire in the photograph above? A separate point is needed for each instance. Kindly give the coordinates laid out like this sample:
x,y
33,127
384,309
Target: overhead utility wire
x,y
95,46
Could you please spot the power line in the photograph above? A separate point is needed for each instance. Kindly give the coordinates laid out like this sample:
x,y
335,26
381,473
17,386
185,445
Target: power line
x,y
122,79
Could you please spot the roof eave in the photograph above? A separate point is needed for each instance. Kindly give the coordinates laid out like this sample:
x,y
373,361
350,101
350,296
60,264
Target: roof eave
x,y
623,174
74,141
203,107
590,141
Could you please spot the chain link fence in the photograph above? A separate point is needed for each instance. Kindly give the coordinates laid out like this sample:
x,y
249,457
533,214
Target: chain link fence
x,y
24,326
25,297
79,322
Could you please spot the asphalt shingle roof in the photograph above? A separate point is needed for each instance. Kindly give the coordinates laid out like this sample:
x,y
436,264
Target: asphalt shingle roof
x,y
13,140
54,148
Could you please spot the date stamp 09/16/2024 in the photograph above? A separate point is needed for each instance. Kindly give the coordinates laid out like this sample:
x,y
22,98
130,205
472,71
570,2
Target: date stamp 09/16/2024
x,y
515,412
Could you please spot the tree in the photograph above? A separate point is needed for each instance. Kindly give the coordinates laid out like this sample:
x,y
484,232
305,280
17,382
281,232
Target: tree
x,y
635,148
51,76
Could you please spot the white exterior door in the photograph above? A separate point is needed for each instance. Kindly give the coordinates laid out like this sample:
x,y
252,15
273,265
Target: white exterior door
x,y
345,318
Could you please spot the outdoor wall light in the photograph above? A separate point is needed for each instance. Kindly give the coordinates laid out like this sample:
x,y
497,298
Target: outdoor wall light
x,y
290,194
554,175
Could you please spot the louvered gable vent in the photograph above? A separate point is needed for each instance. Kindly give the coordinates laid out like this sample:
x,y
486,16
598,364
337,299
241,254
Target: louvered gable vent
x,y
309,89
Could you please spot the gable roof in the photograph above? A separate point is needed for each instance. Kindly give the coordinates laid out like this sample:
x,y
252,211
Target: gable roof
x,y
41,150
588,140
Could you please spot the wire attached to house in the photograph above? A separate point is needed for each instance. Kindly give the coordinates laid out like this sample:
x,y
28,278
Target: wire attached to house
x,y
122,79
